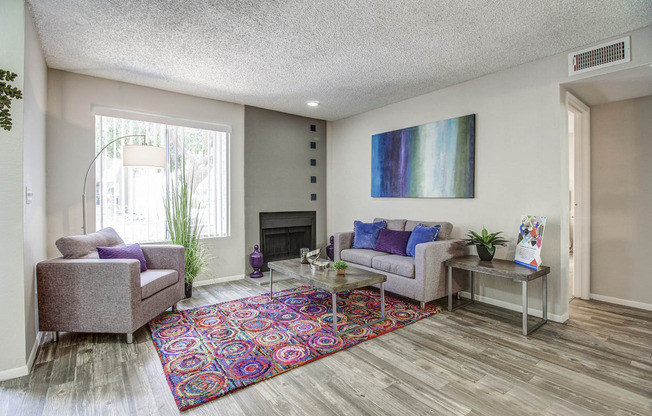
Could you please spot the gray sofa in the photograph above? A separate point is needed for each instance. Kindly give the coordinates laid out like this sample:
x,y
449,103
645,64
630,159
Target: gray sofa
x,y
82,293
422,277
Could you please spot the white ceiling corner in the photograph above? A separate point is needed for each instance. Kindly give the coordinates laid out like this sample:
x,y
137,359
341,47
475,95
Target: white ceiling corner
x,y
351,56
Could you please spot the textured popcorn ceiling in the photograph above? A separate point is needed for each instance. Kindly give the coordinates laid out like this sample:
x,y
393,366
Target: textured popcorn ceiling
x,y
351,56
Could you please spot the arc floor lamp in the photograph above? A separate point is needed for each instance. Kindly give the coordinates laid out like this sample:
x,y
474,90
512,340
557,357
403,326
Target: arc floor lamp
x,y
139,155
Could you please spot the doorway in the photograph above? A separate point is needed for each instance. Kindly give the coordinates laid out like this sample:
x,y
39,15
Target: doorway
x,y
579,197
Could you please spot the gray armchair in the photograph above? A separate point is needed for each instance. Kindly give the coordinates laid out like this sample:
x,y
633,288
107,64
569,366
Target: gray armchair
x,y
81,293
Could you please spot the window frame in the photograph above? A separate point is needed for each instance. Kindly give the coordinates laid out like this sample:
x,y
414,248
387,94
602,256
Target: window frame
x,y
221,210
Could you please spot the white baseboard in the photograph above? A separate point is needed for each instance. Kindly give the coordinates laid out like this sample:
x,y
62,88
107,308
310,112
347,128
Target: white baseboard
x,y
32,355
14,373
218,280
516,308
23,370
624,302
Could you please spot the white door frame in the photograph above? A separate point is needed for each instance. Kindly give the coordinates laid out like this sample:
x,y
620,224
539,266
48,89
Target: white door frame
x,y
582,193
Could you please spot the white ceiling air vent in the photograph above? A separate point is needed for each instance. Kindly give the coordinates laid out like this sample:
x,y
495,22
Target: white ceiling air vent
x,y
599,56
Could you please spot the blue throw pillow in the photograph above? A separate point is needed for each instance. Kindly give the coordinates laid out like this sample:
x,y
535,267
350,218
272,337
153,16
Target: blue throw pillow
x,y
365,234
421,234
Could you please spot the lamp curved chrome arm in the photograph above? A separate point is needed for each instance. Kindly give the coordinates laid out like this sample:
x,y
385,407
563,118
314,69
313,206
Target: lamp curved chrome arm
x,y
93,163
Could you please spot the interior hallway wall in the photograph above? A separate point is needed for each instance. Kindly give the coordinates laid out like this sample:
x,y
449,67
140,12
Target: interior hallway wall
x,y
621,197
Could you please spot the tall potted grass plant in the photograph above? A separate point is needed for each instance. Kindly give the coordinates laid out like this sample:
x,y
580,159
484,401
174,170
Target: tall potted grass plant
x,y
185,227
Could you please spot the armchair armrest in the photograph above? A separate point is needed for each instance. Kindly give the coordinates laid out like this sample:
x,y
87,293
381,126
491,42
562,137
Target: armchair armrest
x,y
165,256
429,265
342,241
70,291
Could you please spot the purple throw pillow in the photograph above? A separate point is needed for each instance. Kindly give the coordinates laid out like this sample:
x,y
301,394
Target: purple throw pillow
x,y
391,241
132,251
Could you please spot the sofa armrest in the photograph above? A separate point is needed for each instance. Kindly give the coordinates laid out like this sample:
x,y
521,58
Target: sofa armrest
x,y
342,241
71,291
165,256
429,265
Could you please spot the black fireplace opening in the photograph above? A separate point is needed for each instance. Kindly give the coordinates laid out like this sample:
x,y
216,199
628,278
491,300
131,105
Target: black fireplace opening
x,y
282,234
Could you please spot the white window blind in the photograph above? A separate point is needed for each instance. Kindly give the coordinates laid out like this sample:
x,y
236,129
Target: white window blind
x,y
131,199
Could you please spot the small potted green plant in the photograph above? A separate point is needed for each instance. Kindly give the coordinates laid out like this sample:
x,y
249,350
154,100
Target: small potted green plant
x,y
485,243
340,266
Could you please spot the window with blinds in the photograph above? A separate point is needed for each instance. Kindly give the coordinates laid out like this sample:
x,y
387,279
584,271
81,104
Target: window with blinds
x,y
131,199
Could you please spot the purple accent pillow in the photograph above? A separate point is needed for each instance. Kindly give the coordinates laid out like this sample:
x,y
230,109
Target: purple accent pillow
x,y
391,241
132,251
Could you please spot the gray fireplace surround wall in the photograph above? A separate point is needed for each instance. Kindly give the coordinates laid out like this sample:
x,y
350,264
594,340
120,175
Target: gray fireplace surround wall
x,y
278,173
282,234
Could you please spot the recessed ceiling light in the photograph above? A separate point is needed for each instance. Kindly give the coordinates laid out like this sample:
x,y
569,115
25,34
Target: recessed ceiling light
x,y
312,103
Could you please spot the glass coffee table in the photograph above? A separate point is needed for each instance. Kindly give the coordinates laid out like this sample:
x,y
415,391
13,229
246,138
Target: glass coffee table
x,y
331,282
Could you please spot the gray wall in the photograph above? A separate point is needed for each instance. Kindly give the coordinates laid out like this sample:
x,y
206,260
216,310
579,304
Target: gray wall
x,y
521,164
34,244
71,147
277,169
22,163
621,199
12,325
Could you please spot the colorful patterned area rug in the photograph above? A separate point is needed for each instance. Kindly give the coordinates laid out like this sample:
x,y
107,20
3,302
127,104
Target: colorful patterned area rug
x,y
214,350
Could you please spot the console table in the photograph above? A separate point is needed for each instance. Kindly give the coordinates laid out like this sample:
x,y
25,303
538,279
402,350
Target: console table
x,y
502,268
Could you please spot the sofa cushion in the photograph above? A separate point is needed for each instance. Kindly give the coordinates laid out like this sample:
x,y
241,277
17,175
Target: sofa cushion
x,y
360,256
394,242
132,251
421,234
396,225
365,234
392,263
85,246
444,232
153,281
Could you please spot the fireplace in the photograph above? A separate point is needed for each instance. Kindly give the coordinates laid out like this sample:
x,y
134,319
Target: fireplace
x,y
282,234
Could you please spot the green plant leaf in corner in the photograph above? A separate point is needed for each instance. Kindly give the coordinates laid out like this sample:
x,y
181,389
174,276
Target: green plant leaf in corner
x,y
7,92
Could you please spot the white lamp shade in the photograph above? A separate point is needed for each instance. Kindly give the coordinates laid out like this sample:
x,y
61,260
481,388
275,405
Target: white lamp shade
x,y
143,156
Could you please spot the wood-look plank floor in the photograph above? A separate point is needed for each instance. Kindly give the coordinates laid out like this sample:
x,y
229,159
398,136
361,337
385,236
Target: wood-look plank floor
x,y
472,361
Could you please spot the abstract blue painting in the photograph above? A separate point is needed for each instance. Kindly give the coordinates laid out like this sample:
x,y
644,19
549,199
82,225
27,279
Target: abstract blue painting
x,y
434,160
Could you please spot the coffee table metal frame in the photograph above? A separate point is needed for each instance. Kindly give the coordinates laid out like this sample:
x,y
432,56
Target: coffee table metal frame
x,y
506,269
304,273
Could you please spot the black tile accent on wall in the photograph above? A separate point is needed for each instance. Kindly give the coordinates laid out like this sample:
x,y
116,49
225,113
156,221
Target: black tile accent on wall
x,y
313,162
313,145
313,197
313,179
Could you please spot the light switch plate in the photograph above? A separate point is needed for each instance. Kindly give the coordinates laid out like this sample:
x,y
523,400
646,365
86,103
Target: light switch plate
x,y
29,195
